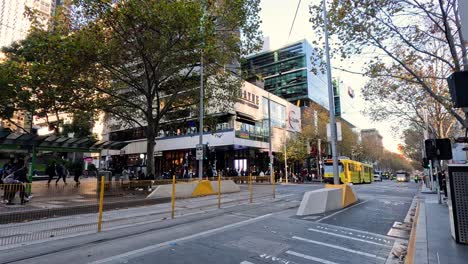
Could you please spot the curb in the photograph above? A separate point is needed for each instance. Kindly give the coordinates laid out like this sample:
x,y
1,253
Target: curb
x,y
409,259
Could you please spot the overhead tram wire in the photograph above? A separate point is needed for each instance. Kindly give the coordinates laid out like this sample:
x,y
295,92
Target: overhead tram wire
x,y
294,19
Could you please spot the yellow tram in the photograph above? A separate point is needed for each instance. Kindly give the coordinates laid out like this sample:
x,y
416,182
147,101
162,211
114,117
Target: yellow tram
x,y
350,171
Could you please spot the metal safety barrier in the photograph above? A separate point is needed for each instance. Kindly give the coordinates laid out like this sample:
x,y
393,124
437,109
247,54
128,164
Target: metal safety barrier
x,y
56,209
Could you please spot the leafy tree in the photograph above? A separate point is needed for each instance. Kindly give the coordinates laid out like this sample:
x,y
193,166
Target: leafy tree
x,y
407,103
393,162
405,38
412,147
312,130
45,74
149,52
296,150
81,126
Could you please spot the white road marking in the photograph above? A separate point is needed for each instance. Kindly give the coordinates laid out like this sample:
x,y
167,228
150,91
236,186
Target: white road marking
x,y
349,233
338,247
246,262
348,237
178,240
343,210
275,259
386,239
293,253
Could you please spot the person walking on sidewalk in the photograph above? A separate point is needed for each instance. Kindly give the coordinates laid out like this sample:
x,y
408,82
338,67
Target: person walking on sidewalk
x,y
62,173
51,171
15,183
442,182
77,172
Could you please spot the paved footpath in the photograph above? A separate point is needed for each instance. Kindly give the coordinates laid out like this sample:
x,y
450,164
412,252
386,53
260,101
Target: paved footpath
x,y
434,243
264,232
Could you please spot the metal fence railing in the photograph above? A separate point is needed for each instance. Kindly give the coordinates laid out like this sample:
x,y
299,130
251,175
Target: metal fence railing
x,y
58,209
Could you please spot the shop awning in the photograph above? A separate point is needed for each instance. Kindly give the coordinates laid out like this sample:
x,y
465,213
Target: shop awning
x,y
16,141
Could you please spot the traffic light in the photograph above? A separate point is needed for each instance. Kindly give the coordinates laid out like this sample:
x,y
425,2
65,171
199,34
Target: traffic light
x,y
431,149
444,149
439,149
425,163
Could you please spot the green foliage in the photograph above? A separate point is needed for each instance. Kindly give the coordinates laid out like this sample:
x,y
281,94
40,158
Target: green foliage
x,y
150,53
81,125
296,150
45,73
136,60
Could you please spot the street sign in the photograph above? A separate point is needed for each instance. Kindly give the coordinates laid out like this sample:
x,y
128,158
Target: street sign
x,y
338,132
200,151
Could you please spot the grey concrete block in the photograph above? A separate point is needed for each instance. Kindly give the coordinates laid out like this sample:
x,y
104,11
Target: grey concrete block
x,y
320,201
227,186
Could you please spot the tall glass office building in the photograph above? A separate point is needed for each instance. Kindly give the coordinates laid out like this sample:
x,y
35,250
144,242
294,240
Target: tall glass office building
x,y
14,24
288,73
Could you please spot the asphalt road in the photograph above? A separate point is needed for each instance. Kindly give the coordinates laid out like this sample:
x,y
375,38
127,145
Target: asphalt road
x,y
263,232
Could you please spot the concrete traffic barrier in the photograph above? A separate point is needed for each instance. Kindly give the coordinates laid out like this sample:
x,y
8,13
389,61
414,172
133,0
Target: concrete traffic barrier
x,y
320,201
193,189
183,190
349,196
202,188
227,186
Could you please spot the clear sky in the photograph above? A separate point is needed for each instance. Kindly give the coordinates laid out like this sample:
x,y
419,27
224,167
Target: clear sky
x,y
277,17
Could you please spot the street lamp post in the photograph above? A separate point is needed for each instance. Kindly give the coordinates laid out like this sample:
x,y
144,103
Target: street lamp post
x,y
336,177
201,113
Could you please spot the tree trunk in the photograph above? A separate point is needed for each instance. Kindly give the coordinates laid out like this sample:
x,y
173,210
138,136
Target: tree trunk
x,y
57,128
150,144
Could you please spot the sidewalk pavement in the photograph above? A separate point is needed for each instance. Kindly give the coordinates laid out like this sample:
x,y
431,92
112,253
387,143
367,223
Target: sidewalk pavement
x,y
434,242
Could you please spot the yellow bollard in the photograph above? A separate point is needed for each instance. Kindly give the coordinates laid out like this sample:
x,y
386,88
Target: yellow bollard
x,y
250,187
219,191
101,204
173,197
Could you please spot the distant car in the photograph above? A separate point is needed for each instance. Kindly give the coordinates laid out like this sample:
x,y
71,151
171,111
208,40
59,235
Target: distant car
x,y
377,177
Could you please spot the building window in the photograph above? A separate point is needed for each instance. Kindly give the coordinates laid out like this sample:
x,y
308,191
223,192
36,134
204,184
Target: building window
x,y
278,112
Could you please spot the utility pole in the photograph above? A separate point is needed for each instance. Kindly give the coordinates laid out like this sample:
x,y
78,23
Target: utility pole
x,y
201,113
285,161
319,158
336,176
428,135
270,152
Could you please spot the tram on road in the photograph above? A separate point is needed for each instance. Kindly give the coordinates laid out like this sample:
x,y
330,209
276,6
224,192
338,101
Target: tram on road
x,y
350,171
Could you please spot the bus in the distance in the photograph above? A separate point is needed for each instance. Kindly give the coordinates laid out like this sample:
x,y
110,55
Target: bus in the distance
x,y
350,171
402,176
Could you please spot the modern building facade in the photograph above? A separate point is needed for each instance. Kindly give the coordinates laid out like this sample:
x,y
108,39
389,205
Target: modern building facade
x,y
372,136
20,122
14,24
289,72
237,140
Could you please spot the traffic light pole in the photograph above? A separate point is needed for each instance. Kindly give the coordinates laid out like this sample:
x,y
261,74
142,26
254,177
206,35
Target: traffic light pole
x,y
431,174
331,103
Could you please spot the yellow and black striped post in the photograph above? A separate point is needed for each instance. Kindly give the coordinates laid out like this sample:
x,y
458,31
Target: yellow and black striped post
x,y
101,204
219,191
173,197
250,187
